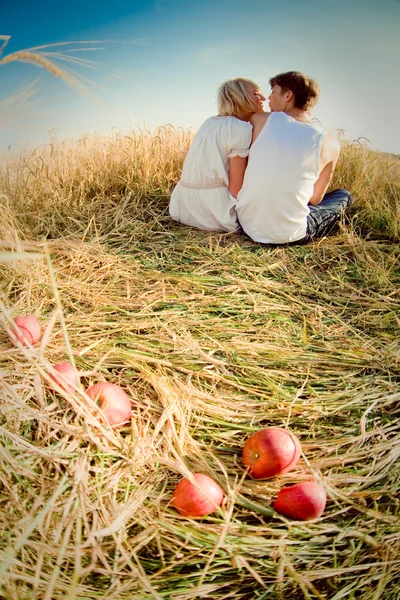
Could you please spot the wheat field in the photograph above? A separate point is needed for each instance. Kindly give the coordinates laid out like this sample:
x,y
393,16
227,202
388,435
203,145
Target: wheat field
x,y
213,337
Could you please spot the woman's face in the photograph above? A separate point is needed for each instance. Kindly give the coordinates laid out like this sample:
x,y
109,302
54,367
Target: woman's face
x,y
259,98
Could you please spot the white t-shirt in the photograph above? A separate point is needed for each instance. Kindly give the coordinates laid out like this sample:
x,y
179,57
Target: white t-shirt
x,y
283,165
201,198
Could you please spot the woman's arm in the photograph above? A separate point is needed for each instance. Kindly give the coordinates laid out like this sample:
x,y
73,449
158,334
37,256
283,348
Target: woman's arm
x,y
258,121
237,167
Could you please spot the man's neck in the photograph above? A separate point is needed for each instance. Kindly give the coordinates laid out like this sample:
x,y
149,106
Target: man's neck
x,y
298,114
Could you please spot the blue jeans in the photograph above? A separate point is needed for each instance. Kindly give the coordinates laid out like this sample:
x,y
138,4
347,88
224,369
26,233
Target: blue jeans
x,y
324,216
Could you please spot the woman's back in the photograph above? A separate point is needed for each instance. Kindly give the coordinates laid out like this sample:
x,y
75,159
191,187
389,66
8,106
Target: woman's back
x,y
201,198
218,139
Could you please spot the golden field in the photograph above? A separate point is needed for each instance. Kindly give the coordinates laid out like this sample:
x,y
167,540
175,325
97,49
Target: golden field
x,y
213,337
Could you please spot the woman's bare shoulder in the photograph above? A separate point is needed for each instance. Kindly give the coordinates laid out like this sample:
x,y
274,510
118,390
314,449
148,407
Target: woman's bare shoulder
x,y
259,118
258,121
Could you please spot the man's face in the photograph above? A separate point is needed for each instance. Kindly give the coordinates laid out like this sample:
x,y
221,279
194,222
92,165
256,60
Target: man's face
x,y
277,99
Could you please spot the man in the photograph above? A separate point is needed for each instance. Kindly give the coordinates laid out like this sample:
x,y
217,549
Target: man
x,y
291,162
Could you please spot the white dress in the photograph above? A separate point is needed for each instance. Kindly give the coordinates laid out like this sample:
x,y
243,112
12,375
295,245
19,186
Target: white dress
x,y
201,198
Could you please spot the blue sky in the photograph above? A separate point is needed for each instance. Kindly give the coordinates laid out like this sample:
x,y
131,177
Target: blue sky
x,y
161,61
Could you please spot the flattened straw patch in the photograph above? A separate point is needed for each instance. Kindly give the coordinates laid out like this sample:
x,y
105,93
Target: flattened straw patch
x,y
212,337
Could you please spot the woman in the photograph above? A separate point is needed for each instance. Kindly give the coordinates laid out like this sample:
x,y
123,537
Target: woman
x,y
213,169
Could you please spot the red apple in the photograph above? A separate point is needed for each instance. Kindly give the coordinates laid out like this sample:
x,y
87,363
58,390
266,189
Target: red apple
x,y
67,379
27,329
271,451
192,500
302,502
114,402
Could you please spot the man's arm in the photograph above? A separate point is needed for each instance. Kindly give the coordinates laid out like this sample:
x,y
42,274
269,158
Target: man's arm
x,y
329,156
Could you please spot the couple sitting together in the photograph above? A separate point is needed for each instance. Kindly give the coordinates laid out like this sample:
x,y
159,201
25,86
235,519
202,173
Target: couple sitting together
x,y
266,173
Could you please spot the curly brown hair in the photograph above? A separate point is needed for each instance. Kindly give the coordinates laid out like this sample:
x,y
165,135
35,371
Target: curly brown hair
x,y
305,90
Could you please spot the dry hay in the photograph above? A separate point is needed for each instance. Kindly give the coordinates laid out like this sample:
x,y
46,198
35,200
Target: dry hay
x,y
213,337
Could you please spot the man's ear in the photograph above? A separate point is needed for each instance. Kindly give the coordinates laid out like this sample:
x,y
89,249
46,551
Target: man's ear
x,y
289,97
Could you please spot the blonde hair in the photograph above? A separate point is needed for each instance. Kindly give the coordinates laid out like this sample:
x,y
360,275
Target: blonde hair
x,y
234,98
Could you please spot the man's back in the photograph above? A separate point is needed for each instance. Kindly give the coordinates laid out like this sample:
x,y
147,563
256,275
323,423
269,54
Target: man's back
x,y
284,164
